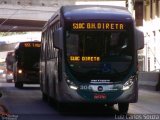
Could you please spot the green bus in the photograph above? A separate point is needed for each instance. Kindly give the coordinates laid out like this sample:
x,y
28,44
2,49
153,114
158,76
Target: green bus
x,y
89,55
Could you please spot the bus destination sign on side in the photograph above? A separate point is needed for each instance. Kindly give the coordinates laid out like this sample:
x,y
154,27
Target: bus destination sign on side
x,y
98,26
27,45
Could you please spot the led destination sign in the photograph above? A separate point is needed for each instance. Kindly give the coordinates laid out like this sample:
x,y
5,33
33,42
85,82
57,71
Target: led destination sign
x,y
98,26
27,45
84,58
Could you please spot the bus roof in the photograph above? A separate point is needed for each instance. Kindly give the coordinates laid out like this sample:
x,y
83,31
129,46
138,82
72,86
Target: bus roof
x,y
91,12
96,12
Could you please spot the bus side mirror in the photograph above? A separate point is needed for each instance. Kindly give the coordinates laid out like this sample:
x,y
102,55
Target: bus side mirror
x,y
58,38
139,36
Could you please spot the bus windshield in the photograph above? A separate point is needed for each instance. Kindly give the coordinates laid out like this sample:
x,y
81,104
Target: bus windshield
x,y
29,57
99,53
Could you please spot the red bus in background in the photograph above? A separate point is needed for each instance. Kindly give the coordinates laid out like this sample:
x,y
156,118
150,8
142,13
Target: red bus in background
x,y
9,66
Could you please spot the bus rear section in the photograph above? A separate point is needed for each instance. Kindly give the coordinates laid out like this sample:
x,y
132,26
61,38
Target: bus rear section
x,y
26,66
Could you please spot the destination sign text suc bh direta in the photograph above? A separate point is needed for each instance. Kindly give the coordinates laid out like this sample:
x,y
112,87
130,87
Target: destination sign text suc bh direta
x,y
98,26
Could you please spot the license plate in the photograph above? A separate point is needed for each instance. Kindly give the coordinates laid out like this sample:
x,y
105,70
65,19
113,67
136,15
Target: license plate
x,y
100,96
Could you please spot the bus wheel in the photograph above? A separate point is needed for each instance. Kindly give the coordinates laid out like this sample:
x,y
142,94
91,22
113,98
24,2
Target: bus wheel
x,y
62,107
18,85
123,108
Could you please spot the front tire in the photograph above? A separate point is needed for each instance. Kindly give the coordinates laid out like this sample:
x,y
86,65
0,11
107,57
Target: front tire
x,y
44,97
63,107
123,108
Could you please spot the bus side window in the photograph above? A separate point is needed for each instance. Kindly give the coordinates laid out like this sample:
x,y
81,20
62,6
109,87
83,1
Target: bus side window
x,y
51,43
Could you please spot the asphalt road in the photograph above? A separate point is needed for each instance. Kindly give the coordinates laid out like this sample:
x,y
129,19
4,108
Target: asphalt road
x,y
27,104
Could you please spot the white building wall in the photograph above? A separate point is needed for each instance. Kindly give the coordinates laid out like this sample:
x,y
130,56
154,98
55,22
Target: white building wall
x,y
151,30
30,36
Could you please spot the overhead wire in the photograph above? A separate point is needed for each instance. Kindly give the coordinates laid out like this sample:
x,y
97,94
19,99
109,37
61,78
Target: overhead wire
x,y
29,9
10,17
15,12
22,6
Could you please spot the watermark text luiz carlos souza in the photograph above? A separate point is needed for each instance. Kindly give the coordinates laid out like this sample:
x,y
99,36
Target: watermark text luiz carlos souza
x,y
138,117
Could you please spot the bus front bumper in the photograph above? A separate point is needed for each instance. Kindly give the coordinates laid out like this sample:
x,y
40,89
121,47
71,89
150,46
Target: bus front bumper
x,y
68,94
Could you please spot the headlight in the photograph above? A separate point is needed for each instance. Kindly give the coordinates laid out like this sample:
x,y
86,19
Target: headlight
x,y
20,71
71,85
129,83
3,75
11,74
